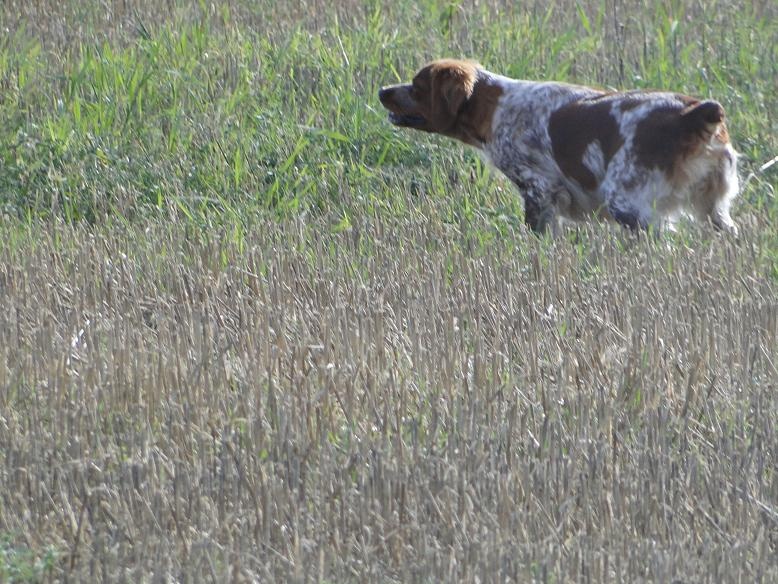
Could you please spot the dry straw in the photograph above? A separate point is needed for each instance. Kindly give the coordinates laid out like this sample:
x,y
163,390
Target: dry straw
x,y
388,404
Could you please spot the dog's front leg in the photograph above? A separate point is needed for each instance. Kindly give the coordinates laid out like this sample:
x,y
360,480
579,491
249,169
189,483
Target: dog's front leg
x,y
538,210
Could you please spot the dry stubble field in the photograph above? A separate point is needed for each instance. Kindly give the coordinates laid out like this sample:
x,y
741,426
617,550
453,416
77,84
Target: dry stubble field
x,y
347,361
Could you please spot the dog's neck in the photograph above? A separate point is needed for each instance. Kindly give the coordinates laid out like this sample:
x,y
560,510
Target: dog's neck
x,y
474,122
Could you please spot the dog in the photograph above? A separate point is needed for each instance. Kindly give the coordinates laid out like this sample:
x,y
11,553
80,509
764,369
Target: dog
x,y
640,158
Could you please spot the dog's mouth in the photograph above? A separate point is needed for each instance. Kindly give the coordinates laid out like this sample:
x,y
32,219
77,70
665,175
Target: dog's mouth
x,y
406,121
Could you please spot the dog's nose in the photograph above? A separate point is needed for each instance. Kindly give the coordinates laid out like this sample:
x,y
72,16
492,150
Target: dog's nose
x,y
383,93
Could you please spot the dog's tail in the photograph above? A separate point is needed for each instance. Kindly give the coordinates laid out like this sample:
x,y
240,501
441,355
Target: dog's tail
x,y
703,119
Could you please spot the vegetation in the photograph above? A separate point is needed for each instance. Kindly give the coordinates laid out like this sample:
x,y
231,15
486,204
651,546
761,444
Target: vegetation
x,y
250,331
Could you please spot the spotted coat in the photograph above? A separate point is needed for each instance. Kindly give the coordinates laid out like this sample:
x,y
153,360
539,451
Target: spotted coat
x,y
637,157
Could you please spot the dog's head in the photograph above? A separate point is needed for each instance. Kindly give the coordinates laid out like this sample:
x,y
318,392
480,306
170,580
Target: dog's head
x,y
440,100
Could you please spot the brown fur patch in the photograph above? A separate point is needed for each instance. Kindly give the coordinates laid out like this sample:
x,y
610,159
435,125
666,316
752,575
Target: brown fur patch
x,y
667,136
629,104
658,139
451,85
474,124
575,126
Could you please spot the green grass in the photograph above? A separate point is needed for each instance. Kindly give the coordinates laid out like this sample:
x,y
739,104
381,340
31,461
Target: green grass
x,y
212,116
18,563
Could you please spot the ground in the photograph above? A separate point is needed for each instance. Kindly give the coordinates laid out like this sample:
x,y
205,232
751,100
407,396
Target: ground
x,y
252,331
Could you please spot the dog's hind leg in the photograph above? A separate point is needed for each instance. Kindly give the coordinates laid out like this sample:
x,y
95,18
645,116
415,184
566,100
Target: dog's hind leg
x,y
713,198
631,195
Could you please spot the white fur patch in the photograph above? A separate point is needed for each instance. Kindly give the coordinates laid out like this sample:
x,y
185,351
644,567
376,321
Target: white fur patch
x,y
594,160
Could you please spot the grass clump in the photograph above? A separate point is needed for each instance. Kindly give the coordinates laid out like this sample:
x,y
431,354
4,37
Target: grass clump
x,y
21,564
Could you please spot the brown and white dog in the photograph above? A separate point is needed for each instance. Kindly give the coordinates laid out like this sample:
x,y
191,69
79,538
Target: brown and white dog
x,y
638,157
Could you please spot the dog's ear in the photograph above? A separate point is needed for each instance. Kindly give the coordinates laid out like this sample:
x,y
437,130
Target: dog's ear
x,y
452,85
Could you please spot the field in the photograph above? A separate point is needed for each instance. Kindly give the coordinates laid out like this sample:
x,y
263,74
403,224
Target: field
x,y
252,332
